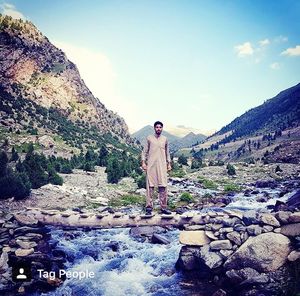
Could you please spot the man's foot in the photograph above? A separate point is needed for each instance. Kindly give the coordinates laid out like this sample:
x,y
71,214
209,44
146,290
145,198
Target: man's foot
x,y
148,211
165,211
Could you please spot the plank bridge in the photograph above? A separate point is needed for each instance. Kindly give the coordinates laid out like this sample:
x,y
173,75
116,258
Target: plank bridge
x,y
116,220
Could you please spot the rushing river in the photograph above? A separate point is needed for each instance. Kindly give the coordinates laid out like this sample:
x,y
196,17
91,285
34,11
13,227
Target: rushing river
x,y
123,265
135,268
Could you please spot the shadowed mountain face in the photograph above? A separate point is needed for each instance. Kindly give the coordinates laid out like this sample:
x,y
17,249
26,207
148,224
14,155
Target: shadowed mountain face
x,y
34,69
280,112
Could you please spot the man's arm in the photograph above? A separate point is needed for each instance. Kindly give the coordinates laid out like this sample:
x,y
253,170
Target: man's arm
x,y
145,154
168,157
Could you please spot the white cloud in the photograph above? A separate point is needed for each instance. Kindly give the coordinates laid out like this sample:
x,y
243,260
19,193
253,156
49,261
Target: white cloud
x,y
10,9
244,49
275,66
97,72
281,39
292,51
264,42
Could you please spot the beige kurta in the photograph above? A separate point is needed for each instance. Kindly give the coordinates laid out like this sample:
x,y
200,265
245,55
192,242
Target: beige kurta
x,y
156,154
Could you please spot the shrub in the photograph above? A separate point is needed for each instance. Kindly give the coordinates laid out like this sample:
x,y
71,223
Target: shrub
x,y
208,184
89,167
186,197
141,181
182,160
230,169
15,185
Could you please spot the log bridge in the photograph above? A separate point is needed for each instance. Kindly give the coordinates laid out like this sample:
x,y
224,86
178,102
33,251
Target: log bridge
x,y
116,220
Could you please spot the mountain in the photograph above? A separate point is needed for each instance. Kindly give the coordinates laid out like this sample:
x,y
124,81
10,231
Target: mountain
x,y
147,130
174,141
280,112
188,140
42,91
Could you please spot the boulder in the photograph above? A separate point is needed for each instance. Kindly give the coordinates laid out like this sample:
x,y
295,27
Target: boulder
x,y
249,217
265,252
295,217
294,200
283,216
188,259
194,238
269,220
291,229
210,259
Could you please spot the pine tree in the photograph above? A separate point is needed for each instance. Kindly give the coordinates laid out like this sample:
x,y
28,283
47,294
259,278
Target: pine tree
x,y
3,163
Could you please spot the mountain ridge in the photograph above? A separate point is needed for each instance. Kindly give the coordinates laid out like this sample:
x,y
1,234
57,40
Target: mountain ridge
x,y
34,69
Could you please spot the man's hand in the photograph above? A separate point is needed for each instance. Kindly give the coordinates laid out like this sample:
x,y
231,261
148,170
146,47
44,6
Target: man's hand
x,y
169,167
144,166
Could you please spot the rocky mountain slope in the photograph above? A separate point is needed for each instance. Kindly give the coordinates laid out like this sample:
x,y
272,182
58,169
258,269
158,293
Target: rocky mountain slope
x,y
188,140
280,112
33,69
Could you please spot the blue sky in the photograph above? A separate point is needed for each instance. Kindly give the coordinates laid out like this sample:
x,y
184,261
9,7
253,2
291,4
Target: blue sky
x,y
196,64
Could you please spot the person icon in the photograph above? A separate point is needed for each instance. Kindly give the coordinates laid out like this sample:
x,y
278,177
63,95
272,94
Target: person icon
x,y
21,275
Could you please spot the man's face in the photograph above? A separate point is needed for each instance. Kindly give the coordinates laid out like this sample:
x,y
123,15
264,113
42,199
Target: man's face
x,y
158,129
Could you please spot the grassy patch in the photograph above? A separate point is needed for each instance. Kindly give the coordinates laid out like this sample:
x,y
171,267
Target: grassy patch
x,y
180,173
232,188
186,197
127,200
208,184
23,148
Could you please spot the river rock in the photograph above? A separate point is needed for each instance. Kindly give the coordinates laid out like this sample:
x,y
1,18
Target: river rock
x,y
269,220
193,238
226,253
253,253
216,227
188,259
221,245
249,217
26,244
266,183
3,262
24,252
159,239
294,255
294,200
210,259
235,237
211,235
283,216
291,229
295,217
254,230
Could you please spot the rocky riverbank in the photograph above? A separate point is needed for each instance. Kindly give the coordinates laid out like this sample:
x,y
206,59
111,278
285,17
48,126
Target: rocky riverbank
x,y
27,245
245,253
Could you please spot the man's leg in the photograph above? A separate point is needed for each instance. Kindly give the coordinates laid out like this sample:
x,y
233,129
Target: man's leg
x,y
162,197
149,196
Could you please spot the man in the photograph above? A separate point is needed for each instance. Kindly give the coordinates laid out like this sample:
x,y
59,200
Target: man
x,y
156,162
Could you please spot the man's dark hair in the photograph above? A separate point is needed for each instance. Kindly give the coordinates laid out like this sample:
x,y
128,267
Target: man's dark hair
x,y
158,122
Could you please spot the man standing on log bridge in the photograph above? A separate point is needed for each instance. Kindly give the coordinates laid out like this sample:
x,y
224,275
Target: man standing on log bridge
x,y
156,162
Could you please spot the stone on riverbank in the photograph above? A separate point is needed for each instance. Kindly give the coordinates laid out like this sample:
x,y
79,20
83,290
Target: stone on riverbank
x,y
265,252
